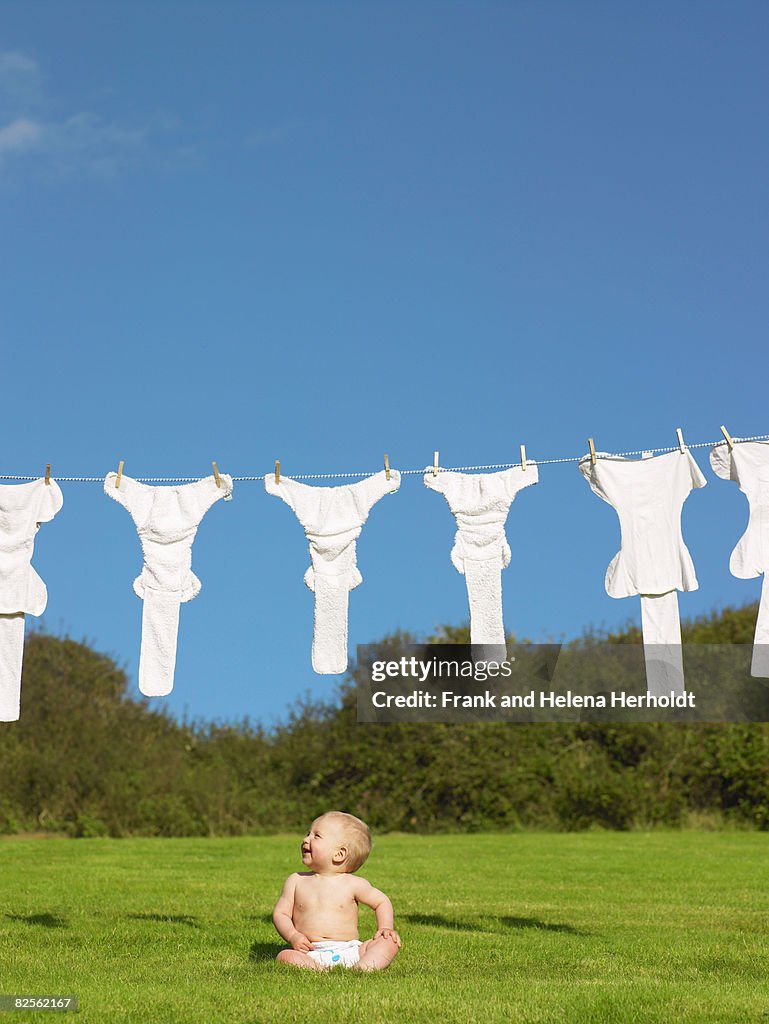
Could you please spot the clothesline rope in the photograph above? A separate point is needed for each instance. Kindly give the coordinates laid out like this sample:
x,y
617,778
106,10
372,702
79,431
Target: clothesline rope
x,y
403,472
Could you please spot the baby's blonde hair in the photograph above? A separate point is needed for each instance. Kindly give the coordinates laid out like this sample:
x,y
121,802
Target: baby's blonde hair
x,y
358,836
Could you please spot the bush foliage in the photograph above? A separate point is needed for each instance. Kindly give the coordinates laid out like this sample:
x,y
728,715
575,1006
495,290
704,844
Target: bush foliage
x,y
87,759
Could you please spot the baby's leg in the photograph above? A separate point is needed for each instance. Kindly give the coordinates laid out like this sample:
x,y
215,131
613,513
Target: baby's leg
x,y
376,954
297,959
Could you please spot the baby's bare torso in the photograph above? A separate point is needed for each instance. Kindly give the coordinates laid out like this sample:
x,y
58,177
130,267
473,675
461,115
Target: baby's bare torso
x,y
325,907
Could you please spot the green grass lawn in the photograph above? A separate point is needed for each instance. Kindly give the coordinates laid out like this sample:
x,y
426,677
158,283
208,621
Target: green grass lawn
x,y
592,927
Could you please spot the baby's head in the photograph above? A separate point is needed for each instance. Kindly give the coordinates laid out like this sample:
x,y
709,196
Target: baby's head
x,y
336,842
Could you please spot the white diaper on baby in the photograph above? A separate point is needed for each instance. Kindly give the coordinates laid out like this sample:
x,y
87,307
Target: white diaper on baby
x,y
336,954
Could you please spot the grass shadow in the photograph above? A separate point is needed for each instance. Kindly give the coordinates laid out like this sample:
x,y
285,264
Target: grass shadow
x,y
488,924
46,920
167,919
264,918
533,922
439,921
261,951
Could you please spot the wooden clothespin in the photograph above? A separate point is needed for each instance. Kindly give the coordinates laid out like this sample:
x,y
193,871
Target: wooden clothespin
x,y
277,471
48,474
681,445
592,450
119,476
435,463
387,465
216,475
729,441
523,457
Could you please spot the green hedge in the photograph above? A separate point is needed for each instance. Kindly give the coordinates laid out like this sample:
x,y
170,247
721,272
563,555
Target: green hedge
x,y
87,759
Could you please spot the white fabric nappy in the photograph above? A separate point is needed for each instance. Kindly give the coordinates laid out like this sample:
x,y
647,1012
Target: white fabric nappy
x,y
167,520
336,954
648,496
332,518
480,503
23,507
747,463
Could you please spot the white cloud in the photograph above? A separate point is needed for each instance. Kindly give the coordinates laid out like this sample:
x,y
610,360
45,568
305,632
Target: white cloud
x,y
21,86
86,141
13,62
19,135
36,135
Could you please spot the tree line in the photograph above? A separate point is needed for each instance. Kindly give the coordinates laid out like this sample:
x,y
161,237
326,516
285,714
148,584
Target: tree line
x,y
88,759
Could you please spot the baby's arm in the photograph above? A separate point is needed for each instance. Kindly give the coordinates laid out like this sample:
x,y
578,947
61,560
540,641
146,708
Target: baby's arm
x,y
383,909
282,918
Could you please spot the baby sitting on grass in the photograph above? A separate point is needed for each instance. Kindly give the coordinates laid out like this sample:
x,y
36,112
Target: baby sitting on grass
x,y
317,912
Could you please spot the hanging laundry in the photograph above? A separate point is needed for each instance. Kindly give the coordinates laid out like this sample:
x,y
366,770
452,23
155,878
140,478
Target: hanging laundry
x,y
332,518
166,519
748,465
648,495
480,504
23,507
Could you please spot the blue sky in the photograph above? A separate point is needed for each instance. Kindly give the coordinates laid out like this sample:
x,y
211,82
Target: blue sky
x,y
322,231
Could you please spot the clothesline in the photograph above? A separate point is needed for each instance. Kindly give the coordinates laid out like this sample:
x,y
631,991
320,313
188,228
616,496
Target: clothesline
x,y
647,493
368,472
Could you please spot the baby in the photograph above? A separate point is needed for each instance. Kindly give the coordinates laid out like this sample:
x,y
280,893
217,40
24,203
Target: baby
x,y
317,912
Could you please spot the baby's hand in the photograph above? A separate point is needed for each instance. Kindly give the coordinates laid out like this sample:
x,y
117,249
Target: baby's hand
x,y
389,933
301,942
